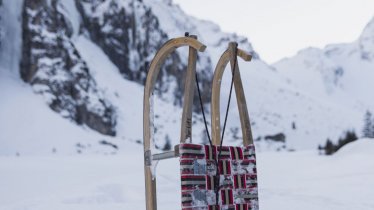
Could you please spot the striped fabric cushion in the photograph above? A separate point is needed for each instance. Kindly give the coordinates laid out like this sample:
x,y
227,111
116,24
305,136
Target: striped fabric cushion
x,y
238,177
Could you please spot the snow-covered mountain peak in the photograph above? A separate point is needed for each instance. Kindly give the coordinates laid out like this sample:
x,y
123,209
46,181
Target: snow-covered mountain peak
x,y
342,72
369,29
175,21
309,51
367,41
311,68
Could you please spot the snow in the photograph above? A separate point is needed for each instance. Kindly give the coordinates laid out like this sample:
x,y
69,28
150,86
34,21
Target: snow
x,y
29,127
364,146
292,181
128,98
68,8
276,99
34,129
367,41
40,165
339,73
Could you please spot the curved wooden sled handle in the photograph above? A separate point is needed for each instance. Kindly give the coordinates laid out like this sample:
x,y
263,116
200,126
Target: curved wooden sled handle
x,y
227,56
154,69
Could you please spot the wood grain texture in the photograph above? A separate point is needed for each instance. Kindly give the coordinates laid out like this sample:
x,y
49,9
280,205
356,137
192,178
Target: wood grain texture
x,y
186,125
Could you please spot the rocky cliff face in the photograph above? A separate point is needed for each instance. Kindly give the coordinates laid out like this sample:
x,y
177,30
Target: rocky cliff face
x,y
52,65
127,31
130,34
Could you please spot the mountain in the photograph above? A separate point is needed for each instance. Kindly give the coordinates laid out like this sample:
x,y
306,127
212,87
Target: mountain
x,y
87,61
339,71
339,74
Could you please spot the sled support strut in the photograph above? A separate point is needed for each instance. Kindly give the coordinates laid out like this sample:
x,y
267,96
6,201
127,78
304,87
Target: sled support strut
x,y
167,155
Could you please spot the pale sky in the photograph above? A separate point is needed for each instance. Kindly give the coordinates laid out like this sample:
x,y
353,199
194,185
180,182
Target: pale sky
x,y
279,28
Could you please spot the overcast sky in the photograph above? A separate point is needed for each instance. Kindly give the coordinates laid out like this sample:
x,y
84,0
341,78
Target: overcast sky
x,y
279,28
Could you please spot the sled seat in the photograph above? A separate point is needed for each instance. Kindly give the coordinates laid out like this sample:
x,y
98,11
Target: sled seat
x,y
238,177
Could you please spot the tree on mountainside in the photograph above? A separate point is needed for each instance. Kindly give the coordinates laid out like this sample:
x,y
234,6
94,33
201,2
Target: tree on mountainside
x,y
330,148
368,131
167,145
349,137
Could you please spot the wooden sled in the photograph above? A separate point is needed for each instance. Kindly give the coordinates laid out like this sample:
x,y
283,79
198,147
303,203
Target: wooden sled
x,y
216,177
182,150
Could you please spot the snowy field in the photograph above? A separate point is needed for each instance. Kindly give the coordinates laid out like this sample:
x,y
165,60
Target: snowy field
x,y
287,181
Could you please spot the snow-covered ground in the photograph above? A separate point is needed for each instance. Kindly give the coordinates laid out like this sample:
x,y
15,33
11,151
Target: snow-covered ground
x,y
287,181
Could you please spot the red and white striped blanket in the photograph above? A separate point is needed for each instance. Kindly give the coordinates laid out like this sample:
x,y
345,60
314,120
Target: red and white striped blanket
x,y
237,182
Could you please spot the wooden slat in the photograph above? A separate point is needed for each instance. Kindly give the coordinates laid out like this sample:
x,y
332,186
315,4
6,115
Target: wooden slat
x,y
168,154
186,125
